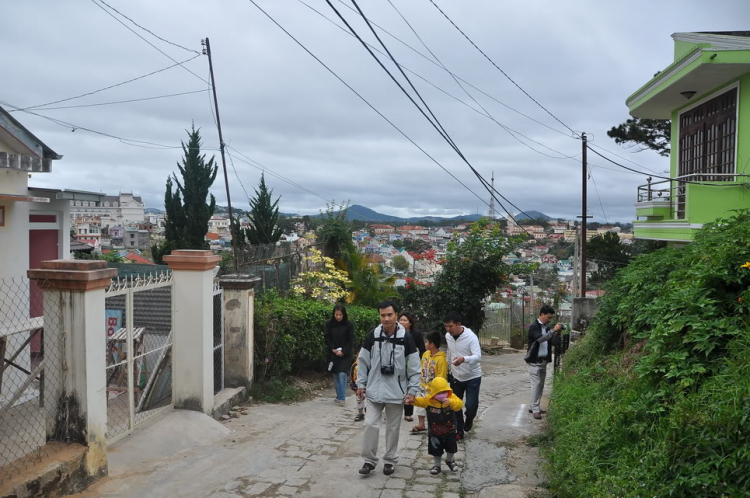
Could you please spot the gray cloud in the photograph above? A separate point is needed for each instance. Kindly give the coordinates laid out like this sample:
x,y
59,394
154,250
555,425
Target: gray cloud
x,y
580,59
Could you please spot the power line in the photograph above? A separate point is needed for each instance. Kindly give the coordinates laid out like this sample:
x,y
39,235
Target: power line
x,y
366,101
666,177
486,112
106,87
438,127
142,38
120,101
501,70
74,127
149,31
596,189
436,64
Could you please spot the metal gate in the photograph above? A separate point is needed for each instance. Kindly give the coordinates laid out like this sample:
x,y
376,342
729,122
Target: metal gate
x,y
138,318
218,335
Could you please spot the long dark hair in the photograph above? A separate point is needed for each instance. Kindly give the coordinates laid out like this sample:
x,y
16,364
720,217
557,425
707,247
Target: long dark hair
x,y
338,307
412,320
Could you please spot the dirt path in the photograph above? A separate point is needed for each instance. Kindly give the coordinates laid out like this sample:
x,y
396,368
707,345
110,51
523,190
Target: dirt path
x,y
311,449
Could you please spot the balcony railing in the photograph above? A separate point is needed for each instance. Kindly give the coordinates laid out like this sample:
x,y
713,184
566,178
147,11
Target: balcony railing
x,y
675,192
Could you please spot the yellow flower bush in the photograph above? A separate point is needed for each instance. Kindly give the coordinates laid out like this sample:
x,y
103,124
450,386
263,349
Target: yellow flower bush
x,y
322,280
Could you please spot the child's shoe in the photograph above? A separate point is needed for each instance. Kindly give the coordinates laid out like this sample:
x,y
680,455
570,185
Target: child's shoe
x,y
452,465
435,470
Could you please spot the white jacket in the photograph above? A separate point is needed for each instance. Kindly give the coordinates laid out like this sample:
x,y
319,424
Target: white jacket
x,y
467,346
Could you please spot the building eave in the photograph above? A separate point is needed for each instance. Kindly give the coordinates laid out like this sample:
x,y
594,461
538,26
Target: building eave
x,y
23,137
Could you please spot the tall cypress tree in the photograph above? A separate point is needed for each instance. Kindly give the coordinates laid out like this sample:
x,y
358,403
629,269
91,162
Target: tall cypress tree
x,y
264,216
187,212
197,178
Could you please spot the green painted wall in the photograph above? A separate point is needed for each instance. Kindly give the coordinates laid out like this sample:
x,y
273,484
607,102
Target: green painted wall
x,y
665,233
706,204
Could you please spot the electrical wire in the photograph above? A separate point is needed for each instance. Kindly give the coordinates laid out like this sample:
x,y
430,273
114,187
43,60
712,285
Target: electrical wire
x,y
596,189
455,79
367,102
666,177
143,99
106,87
149,31
501,70
435,124
145,40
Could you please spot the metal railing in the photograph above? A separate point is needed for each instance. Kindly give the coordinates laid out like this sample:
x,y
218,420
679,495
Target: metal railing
x,y
674,194
276,266
218,337
139,318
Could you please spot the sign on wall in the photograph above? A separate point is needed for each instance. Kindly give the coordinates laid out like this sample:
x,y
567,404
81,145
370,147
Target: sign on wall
x,y
113,321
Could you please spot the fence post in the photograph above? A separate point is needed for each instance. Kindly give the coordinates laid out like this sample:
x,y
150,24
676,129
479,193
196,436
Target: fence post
x,y
74,381
192,350
239,306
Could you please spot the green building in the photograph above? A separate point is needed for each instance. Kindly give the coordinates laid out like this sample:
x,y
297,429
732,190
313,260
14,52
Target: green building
x,y
705,92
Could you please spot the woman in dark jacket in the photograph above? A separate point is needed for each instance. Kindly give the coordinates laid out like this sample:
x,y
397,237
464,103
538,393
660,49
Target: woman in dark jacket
x,y
339,337
410,324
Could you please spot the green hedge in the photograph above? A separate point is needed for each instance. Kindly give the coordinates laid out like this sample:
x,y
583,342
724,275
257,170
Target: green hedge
x,y
289,334
655,401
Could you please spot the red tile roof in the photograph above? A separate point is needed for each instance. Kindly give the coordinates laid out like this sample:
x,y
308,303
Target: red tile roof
x,y
212,236
137,258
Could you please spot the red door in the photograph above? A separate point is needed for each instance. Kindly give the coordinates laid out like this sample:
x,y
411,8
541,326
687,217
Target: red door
x,y
42,247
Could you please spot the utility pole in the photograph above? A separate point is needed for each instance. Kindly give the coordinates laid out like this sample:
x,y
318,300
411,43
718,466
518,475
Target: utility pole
x,y
575,266
584,218
232,227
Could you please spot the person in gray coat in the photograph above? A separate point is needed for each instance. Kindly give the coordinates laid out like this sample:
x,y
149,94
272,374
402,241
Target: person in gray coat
x,y
388,375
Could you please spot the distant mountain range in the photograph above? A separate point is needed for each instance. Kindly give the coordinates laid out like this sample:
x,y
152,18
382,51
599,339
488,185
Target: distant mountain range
x,y
363,213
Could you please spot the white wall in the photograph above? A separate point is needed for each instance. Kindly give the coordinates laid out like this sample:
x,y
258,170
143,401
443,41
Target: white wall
x,y
14,236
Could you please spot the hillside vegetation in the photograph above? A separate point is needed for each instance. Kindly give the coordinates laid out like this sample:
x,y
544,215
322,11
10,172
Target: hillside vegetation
x,y
655,401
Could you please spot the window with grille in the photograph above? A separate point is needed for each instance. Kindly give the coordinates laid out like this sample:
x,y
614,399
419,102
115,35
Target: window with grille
x,y
707,139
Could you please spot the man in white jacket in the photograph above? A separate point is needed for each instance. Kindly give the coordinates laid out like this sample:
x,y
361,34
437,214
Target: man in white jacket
x,y
464,355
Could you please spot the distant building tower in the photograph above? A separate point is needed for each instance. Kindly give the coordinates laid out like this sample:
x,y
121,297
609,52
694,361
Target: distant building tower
x,y
492,213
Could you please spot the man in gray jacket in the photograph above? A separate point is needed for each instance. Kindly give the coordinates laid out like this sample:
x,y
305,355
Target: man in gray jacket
x,y
388,375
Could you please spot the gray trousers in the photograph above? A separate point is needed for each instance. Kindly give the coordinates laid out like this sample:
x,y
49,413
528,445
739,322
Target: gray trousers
x,y
373,417
537,373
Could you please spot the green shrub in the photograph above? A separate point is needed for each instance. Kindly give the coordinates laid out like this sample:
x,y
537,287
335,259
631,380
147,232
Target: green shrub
x,y
289,333
655,401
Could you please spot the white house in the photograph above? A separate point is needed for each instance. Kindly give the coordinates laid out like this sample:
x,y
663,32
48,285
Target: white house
x,y
122,209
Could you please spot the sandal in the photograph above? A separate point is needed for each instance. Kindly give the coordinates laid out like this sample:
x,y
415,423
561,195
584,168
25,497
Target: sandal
x,y
452,465
417,430
435,470
409,419
360,417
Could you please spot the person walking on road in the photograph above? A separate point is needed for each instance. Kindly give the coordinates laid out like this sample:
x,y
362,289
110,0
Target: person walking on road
x,y
339,337
540,353
433,365
409,323
464,355
388,376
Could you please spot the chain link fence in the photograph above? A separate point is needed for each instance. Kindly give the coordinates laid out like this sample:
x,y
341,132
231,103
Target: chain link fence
x,y
31,357
138,317
276,265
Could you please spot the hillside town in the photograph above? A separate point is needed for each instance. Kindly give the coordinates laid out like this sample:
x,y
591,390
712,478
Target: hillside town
x,y
547,297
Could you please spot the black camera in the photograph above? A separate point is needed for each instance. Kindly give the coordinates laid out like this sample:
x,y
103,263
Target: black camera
x,y
387,369
563,327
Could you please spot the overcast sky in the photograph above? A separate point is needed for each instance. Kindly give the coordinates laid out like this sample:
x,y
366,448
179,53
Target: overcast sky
x,y
281,108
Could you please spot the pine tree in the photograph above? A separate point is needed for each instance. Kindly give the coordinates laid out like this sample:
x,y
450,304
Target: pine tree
x,y
197,178
264,216
187,213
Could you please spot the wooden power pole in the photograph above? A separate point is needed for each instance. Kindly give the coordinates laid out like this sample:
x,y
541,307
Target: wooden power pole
x,y
232,226
584,217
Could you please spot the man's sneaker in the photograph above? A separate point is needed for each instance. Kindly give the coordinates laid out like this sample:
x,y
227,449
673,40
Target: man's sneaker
x,y
388,469
468,425
366,469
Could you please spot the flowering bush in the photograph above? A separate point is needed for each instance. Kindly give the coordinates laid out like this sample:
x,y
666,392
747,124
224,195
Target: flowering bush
x,y
322,280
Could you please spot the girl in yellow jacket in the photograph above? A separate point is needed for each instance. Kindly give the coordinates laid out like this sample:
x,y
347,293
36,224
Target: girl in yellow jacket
x,y
441,405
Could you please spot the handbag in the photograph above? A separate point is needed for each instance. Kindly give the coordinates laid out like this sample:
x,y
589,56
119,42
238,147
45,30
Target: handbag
x,y
531,352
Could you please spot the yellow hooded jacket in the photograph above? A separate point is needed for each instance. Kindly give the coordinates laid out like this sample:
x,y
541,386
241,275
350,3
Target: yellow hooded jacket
x,y
441,416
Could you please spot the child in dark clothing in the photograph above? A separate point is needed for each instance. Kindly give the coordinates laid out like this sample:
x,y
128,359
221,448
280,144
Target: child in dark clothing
x,y
353,385
441,405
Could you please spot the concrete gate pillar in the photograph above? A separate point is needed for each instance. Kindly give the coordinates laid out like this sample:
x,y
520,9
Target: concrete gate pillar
x,y
239,304
192,349
75,354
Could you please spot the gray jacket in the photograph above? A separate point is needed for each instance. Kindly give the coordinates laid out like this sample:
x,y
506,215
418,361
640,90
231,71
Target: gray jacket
x,y
398,350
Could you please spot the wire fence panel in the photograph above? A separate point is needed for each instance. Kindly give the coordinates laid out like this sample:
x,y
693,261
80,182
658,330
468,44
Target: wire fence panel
x,y
138,315
506,324
30,377
218,337
276,266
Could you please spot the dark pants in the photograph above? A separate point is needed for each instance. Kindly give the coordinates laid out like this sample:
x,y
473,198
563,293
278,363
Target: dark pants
x,y
408,410
471,404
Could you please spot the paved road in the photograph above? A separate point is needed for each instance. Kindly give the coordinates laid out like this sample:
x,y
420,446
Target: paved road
x,y
311,449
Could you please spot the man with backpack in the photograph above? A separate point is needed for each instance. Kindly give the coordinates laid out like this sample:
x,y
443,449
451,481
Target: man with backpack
x,y
388,375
